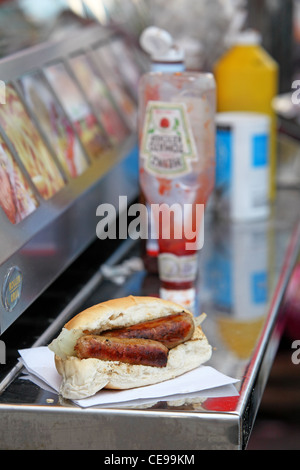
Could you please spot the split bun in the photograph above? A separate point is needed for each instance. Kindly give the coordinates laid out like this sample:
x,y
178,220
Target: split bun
x,y
82,378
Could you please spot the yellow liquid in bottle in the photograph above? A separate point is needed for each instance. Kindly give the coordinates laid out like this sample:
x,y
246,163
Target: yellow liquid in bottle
x,y
247,80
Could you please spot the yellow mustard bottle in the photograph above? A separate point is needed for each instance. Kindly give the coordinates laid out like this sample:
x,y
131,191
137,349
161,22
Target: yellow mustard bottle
x,y
247,80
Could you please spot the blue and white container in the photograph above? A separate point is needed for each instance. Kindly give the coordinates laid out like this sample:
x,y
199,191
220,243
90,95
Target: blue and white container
x,y
242,165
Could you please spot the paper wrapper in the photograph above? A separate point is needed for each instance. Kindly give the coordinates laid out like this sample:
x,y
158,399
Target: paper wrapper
x,y
204,381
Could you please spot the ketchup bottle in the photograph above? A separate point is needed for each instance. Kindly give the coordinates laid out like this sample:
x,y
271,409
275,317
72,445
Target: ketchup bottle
x,y
166,58
177,165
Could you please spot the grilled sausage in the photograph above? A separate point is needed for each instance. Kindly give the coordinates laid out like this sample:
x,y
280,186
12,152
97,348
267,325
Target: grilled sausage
x,y
171,330
130,351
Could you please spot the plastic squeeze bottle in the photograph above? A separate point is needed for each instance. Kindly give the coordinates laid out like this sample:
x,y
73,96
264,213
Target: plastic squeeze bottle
x,y
165,57
247,80
177,165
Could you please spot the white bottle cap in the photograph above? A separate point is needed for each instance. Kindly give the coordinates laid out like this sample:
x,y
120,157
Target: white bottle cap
x,y
247,37
159,44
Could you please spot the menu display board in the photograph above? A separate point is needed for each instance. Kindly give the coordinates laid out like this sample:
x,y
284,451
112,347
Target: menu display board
x,y
16,197
78,110
109,69
64,142
54,123
98,94
29,145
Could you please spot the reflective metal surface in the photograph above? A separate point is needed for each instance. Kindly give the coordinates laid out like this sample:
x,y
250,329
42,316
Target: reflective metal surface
x,y
244,271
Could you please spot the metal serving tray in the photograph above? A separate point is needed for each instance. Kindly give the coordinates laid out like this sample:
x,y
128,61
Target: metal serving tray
x,y
244,272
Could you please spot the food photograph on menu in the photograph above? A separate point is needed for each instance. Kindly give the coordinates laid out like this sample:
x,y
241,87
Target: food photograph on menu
x,y
92,136
16,197
98,94
29,145
109,69
54,123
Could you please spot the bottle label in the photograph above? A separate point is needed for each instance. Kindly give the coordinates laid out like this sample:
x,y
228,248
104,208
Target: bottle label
x,y
168,144
242,183
224,164
174,268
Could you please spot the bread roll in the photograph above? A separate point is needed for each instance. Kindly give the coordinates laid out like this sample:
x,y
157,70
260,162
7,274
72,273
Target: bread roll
x,y
83,378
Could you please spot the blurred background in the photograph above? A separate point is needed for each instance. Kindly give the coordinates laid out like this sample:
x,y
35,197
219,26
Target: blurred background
x,y
205,29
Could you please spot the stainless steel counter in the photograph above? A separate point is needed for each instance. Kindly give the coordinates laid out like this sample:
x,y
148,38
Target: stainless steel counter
x,y
244,272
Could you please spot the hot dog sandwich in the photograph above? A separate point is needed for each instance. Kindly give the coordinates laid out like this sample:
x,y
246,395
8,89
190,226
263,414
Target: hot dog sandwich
x,y
127,343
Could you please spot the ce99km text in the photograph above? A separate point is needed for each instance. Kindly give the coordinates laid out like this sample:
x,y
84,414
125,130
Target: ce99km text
x,y
150,459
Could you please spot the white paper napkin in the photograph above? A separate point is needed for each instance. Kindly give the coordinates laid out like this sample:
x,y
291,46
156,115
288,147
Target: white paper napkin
x,y
39,363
